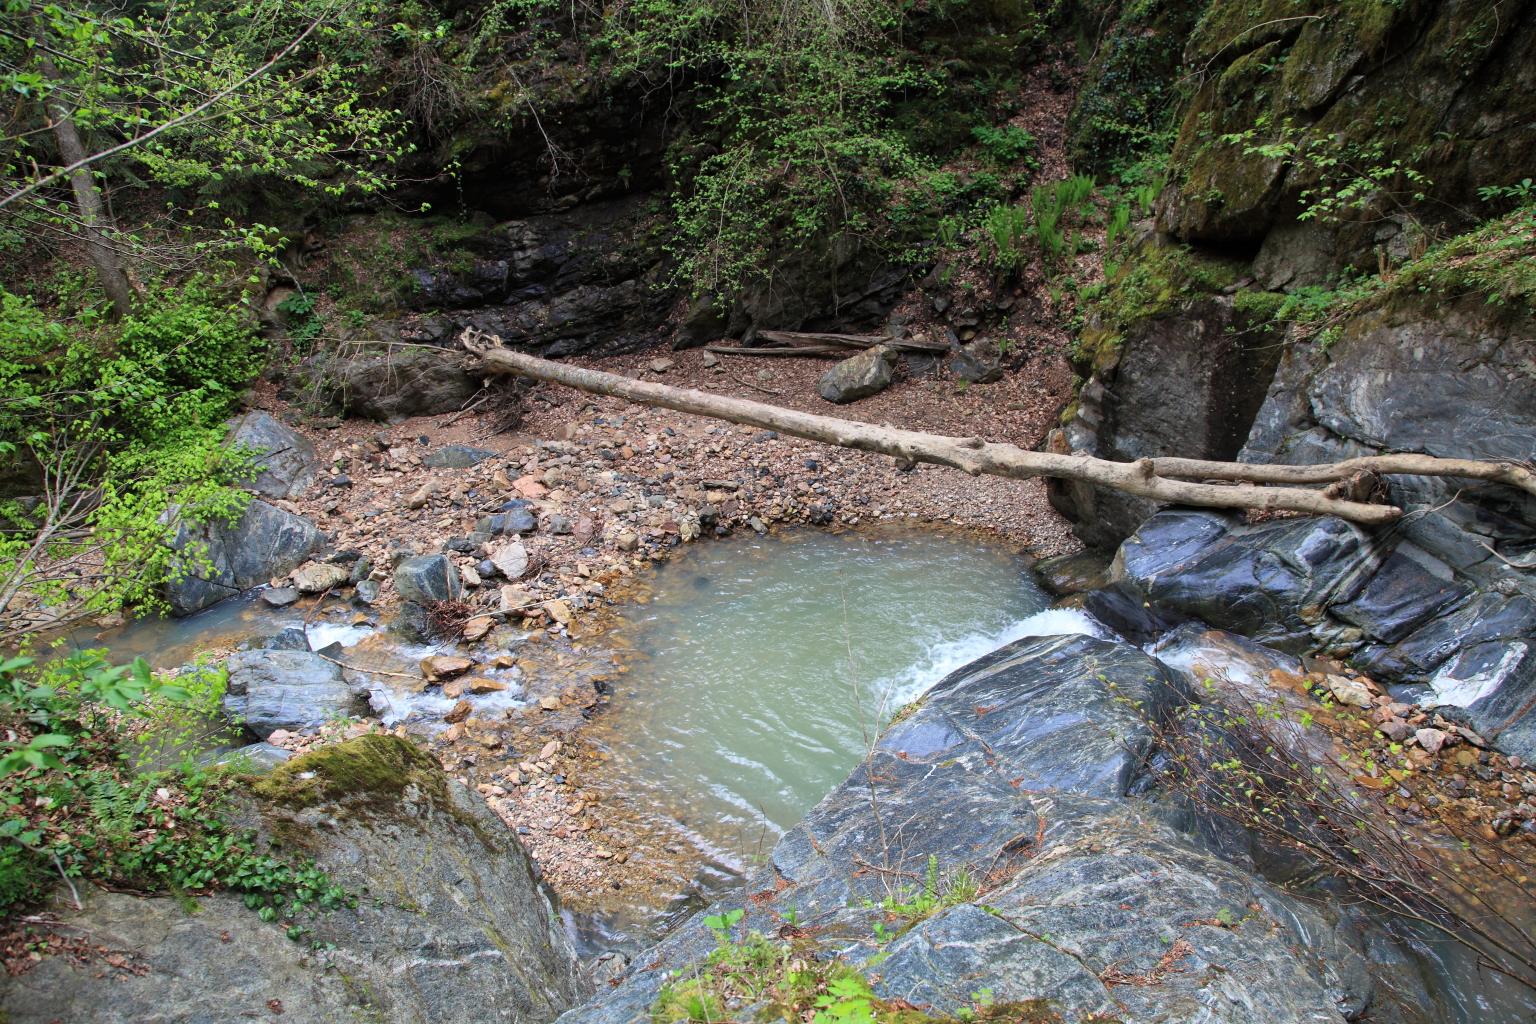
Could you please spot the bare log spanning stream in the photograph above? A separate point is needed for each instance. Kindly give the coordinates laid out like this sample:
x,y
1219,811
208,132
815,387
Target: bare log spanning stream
x,y
1172,480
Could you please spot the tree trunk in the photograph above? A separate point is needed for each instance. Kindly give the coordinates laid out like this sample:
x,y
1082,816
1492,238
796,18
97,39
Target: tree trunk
x,y
94,220
1149,478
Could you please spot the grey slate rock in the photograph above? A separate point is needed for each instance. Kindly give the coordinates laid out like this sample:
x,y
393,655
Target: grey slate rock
x,y
452,926
425,579
291,639
288,462
859,376
1186,383
1443,377
285,689
514,521
1123,611
974,366
264,542
1486,618
1411,587
1508,671
1271,581
279,597
457,456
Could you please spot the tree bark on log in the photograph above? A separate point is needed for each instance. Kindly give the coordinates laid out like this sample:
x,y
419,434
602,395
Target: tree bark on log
x,y
815,338
1158,479
94,222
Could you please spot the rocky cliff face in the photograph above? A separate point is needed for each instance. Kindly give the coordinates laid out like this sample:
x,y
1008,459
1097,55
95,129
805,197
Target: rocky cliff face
x,y
450,923
1424,101
1321,138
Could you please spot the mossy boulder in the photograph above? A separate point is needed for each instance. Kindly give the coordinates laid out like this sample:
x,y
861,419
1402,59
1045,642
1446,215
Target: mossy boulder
x,y
449,924
1179,361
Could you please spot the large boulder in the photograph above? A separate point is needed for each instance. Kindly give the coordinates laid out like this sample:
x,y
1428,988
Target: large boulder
x,y
387,381
220,559
859,376
282,689
1273,581
1452,379
287,460
450,924
1016,768
1185,381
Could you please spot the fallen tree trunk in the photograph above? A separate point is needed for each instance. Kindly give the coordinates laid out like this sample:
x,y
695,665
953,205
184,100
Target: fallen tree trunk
x,y
798,351
815,338
1157,479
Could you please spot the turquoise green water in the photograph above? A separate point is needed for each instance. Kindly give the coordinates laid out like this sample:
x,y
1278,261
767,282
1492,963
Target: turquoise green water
x,y
765,667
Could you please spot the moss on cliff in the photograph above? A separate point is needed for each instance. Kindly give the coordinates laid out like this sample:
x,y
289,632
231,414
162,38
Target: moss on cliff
x,y
374,771
1128,100
1155,281
1349,113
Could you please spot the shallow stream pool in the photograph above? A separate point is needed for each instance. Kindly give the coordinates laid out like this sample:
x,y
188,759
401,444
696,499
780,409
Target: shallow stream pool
x,y
760,670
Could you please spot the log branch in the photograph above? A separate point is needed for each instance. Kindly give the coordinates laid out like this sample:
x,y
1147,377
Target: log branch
x,y
817,339
1173,480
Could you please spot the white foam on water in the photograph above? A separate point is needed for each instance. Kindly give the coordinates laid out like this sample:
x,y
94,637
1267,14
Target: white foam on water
x,y
945,656
323,634
394,706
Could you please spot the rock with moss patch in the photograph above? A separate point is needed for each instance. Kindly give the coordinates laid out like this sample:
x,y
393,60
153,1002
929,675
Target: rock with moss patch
x,y
449,924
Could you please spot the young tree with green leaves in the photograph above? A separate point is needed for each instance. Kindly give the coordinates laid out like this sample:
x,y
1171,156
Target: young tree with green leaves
x,y
152,137
199,110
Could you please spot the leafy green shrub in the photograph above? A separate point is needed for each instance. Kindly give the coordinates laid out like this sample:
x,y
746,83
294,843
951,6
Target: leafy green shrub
x,y
186,339
1007,144
125,420
76,802
795,980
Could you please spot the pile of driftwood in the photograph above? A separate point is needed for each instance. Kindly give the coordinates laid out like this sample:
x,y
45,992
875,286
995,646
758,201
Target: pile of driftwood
x,y
837,346
1347,486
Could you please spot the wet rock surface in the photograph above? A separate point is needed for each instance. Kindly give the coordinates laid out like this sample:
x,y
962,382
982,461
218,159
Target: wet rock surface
x,y
1448,380
451,924
287,689
1016,768
227,558
1384,603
